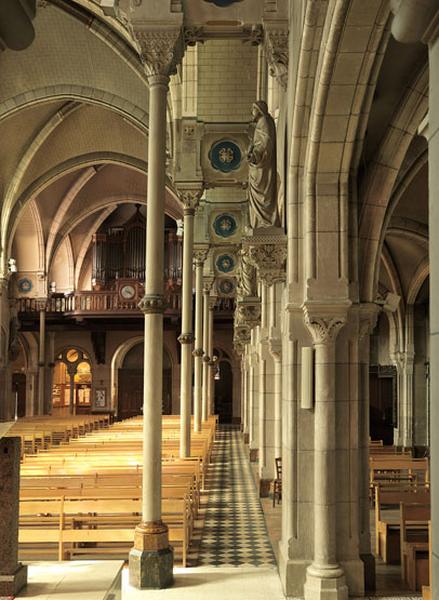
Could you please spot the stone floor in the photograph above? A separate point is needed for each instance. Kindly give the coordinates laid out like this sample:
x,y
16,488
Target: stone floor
x,y
233,557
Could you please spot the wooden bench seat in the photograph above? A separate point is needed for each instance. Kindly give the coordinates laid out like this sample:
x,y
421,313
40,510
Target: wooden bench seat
x,y
387,528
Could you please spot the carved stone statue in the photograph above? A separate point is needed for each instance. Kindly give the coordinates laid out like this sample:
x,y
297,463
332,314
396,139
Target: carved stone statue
x,y
262,179
247,277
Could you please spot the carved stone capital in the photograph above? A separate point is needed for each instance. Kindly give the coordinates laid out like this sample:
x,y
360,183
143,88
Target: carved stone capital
x,y
368,319
200,255
186,338
160,50
324,323
268,254
241,337
276,52
247,314
212,302
207,284
152,304
275,347
190,196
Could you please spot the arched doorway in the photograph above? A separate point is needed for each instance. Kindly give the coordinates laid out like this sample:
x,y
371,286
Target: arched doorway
x,y
223,387
72,379
130,383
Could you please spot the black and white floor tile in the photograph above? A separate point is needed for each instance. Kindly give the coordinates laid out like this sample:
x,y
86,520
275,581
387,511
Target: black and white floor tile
x,y
234,532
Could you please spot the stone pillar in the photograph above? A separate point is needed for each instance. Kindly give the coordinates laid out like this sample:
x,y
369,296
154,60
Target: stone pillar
x,y
42,360
413,22
13,575
433,161
190,199
200,257
276,353
206,358
151,558
324,578
254,400
245,398
368,318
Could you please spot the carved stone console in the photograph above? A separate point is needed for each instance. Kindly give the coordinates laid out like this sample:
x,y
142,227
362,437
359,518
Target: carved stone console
x,y
268,253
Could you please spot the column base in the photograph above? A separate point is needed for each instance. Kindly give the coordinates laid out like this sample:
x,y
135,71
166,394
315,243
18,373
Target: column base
x,y
292,573
254,454
325,584
246,437
369,572
151,560
10,585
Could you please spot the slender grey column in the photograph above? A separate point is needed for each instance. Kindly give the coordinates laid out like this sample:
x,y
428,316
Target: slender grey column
x,y
186,337
151,559
245,398
198,352
212,363
206,357
325,579
42,360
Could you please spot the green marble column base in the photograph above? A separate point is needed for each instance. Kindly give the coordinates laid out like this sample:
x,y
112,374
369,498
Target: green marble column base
x,y
369,572
10,585
151,569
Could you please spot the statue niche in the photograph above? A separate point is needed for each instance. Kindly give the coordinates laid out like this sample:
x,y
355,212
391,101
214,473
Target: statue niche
x,y
262,179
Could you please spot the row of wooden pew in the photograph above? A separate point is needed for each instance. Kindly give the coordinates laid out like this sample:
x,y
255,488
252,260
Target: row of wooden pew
x,y
41,433
400,491
83,498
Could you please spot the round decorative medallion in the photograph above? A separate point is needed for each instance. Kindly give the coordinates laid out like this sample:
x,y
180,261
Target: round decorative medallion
x,y
222,3
226,286
224,225
225,156
127,292
24,285
225,263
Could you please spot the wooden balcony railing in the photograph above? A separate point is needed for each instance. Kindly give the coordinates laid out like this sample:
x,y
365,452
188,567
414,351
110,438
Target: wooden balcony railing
x,y
95,303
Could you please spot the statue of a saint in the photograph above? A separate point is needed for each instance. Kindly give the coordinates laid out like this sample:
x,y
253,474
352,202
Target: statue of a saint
x,y
262,179
247,277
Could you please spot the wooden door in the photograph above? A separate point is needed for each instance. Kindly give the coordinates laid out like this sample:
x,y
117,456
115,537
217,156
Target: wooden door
x,y
130,393
224,393
19,392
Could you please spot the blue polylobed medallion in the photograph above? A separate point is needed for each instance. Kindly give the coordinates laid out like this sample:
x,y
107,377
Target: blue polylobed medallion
x,y
24,285
225,263
226,286
225,156
222,3
224,225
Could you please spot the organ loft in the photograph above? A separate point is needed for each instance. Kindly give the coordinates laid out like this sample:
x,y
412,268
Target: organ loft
x,y
218,354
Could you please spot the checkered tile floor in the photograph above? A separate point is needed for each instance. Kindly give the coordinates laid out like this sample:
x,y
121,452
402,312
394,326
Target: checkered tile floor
x,y
234,532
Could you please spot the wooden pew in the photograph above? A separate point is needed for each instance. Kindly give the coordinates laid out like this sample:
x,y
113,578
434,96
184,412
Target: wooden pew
x,y
426,589
414,520
71,522
387,527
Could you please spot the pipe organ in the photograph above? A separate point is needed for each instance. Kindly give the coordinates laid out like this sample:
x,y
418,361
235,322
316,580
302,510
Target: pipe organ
x,y
119,255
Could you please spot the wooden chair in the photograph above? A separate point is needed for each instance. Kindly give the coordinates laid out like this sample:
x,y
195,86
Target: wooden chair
x,y
277,483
